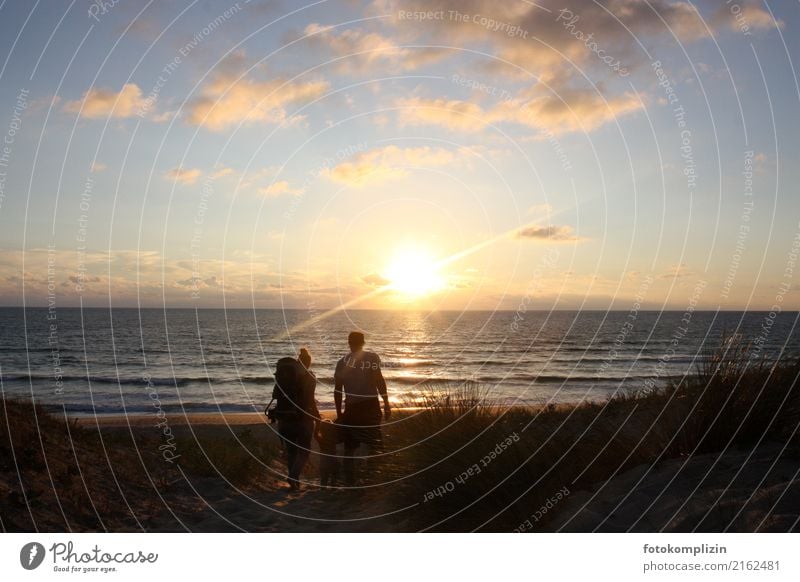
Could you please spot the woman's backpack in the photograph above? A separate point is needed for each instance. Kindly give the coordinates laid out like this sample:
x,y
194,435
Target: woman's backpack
x,y
288,393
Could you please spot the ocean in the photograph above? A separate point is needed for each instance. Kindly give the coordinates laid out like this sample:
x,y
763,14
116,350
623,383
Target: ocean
x,y
97,361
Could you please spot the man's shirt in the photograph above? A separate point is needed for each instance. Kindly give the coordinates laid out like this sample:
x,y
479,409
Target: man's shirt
x,y
360,374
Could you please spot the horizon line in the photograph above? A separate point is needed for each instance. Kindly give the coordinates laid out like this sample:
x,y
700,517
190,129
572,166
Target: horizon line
x,y
573,309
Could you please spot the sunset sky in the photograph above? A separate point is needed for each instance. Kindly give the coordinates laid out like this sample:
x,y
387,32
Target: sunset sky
x,y
476,155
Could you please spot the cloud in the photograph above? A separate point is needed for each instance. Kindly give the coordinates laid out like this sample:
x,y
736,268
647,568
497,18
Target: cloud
x,y
43,103
82,280
531,36
676,272
551,49
453,114
255,178
375,280
97,167
390,162
362,52
128,276
230,99
163,117
745,17
550,233
567,110
221,173
199,283
183,175
100,103
279,189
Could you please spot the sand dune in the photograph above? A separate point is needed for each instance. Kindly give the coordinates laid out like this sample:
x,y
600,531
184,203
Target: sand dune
x,y
741,490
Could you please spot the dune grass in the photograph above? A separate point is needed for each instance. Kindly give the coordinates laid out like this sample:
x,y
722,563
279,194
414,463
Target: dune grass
x,y
240,462
466,463
56,475
734,399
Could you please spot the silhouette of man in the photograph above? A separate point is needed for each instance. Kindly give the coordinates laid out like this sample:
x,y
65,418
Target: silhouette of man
x,y
359,382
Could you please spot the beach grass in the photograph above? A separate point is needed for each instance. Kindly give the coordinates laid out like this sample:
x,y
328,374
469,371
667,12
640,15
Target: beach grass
x,y
455,460
58,476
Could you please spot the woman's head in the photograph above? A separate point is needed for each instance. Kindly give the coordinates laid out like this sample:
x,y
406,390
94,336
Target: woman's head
x,y
305,357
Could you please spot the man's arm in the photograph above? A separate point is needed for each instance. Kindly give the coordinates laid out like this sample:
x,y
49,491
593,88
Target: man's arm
x,y
337,389
381,382
337,396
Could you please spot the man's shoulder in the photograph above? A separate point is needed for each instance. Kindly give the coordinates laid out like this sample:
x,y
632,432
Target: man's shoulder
x,y
372,357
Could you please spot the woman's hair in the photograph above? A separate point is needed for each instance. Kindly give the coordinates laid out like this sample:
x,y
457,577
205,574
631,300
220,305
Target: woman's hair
x,y
305,357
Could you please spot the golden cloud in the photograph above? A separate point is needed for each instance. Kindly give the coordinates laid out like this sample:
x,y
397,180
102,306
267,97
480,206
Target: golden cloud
x,y
550,233
565,111
387,163
279,189
183,175
230,100
100,103
361,51
453,114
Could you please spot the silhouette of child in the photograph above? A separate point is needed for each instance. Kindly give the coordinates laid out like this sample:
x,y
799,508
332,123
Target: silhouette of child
x,y
328,436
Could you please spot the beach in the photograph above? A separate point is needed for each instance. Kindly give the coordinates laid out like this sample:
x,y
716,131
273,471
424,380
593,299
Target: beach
x,y
685,457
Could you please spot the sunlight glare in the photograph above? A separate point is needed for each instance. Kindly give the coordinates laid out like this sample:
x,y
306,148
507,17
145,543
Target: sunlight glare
x,y
413,272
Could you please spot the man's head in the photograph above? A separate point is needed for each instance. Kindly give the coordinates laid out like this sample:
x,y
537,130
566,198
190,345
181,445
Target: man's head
x,y
356,340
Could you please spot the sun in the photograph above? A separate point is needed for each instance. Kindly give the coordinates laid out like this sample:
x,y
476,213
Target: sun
x,y
413,272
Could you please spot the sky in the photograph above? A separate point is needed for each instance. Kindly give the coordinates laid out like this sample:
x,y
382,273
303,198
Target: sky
x,y
400,154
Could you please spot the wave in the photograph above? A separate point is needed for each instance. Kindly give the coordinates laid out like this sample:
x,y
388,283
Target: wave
x,y
513,377
103,379
189,407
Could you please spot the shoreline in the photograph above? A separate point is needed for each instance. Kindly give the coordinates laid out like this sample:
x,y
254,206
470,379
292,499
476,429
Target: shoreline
x,y
122,420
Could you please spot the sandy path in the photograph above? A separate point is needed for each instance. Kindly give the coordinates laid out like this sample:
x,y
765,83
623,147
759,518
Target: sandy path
x,y
212,505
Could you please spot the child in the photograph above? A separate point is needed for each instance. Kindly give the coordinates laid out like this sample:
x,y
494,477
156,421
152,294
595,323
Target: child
x,y
328,437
